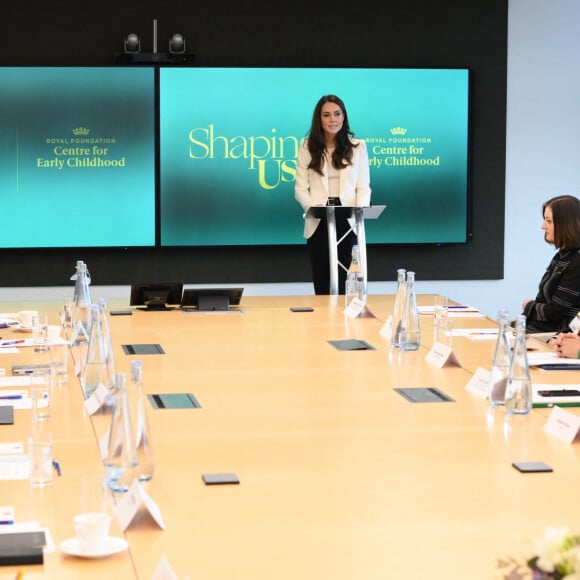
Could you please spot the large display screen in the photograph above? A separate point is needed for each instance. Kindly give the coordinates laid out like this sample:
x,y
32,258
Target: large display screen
x,y
229,139
77,157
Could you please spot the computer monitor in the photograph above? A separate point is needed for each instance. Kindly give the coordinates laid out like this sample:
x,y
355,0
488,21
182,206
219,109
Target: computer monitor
x,y
156,296
210,299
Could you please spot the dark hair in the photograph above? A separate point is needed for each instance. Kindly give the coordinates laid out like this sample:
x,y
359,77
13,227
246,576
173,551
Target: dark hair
x,y
342,154
566,218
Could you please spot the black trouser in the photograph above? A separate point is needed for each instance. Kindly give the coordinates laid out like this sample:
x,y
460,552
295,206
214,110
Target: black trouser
x,y
319,255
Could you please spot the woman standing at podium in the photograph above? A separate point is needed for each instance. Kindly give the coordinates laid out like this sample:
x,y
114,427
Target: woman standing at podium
x,y
332,169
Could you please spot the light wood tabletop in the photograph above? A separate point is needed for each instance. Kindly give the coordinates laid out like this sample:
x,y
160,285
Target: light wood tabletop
x,y
340,476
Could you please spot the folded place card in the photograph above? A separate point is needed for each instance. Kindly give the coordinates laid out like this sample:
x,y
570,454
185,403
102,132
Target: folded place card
x,y
386,329
96,399
355,308
163,570
440,355
479,383
351,344
562,424
358,309
142,349
131,502
424,395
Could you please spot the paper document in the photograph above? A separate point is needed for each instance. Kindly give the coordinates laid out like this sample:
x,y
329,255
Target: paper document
x,y
542,358
450,309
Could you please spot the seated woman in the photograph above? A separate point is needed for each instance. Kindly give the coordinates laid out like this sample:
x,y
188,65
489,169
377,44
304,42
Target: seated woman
x,y
558,298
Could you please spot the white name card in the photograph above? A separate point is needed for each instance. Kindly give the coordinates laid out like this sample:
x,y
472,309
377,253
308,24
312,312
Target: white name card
x,y
163,570
355,308
479,383
562,424
575,324
134,498
96,400
386,328
440,355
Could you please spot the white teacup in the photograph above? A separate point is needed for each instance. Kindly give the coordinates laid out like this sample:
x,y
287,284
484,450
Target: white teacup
x,y
92,531
53,333
25,317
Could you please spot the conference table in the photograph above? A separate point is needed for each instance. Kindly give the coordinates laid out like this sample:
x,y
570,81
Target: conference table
x,y
339,475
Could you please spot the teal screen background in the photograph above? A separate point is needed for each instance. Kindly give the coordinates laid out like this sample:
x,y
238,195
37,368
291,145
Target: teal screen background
x,y
229,138
90,188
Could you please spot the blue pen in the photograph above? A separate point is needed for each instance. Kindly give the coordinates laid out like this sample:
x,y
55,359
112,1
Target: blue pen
x,y
56,466
10,397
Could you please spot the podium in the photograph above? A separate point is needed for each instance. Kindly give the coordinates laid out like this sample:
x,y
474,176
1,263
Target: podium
x,y
360,214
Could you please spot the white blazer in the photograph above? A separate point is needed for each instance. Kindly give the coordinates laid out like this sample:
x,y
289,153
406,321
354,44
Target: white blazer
x,y
312,188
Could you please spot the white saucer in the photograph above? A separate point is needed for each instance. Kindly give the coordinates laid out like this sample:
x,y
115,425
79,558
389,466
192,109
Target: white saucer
x,y
23,328
72,547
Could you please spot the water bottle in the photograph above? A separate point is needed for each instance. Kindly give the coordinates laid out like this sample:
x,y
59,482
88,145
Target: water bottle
x,y
107,343
398,308
518,396
95,370
82,296
501,361
121,461
137,403
80,316
410,333
355,284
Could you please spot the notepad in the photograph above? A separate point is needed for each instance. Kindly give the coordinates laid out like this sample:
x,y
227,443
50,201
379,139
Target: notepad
x,y
21,548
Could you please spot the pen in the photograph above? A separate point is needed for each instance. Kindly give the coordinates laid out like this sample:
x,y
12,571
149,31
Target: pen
x,y
56,466
10,397
458,306
10,342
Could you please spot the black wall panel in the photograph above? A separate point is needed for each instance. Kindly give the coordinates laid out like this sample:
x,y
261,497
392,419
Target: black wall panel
x,y
390,33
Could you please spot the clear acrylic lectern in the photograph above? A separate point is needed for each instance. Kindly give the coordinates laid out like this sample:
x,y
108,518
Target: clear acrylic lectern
x,y
360,214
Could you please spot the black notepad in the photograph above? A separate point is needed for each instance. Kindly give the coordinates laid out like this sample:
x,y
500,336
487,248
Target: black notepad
x,y
21,548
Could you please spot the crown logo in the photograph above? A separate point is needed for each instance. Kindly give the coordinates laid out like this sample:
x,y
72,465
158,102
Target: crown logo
x,y
81,131
398,131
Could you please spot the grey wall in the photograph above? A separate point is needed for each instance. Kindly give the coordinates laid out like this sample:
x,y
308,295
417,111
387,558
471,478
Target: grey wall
x,y
543,146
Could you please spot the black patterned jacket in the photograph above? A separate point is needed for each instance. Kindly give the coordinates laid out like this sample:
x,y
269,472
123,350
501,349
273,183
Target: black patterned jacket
x,y
558,299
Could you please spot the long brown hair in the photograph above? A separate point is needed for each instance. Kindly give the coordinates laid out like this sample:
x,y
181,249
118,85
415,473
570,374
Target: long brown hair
x,y
342,154
566,218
